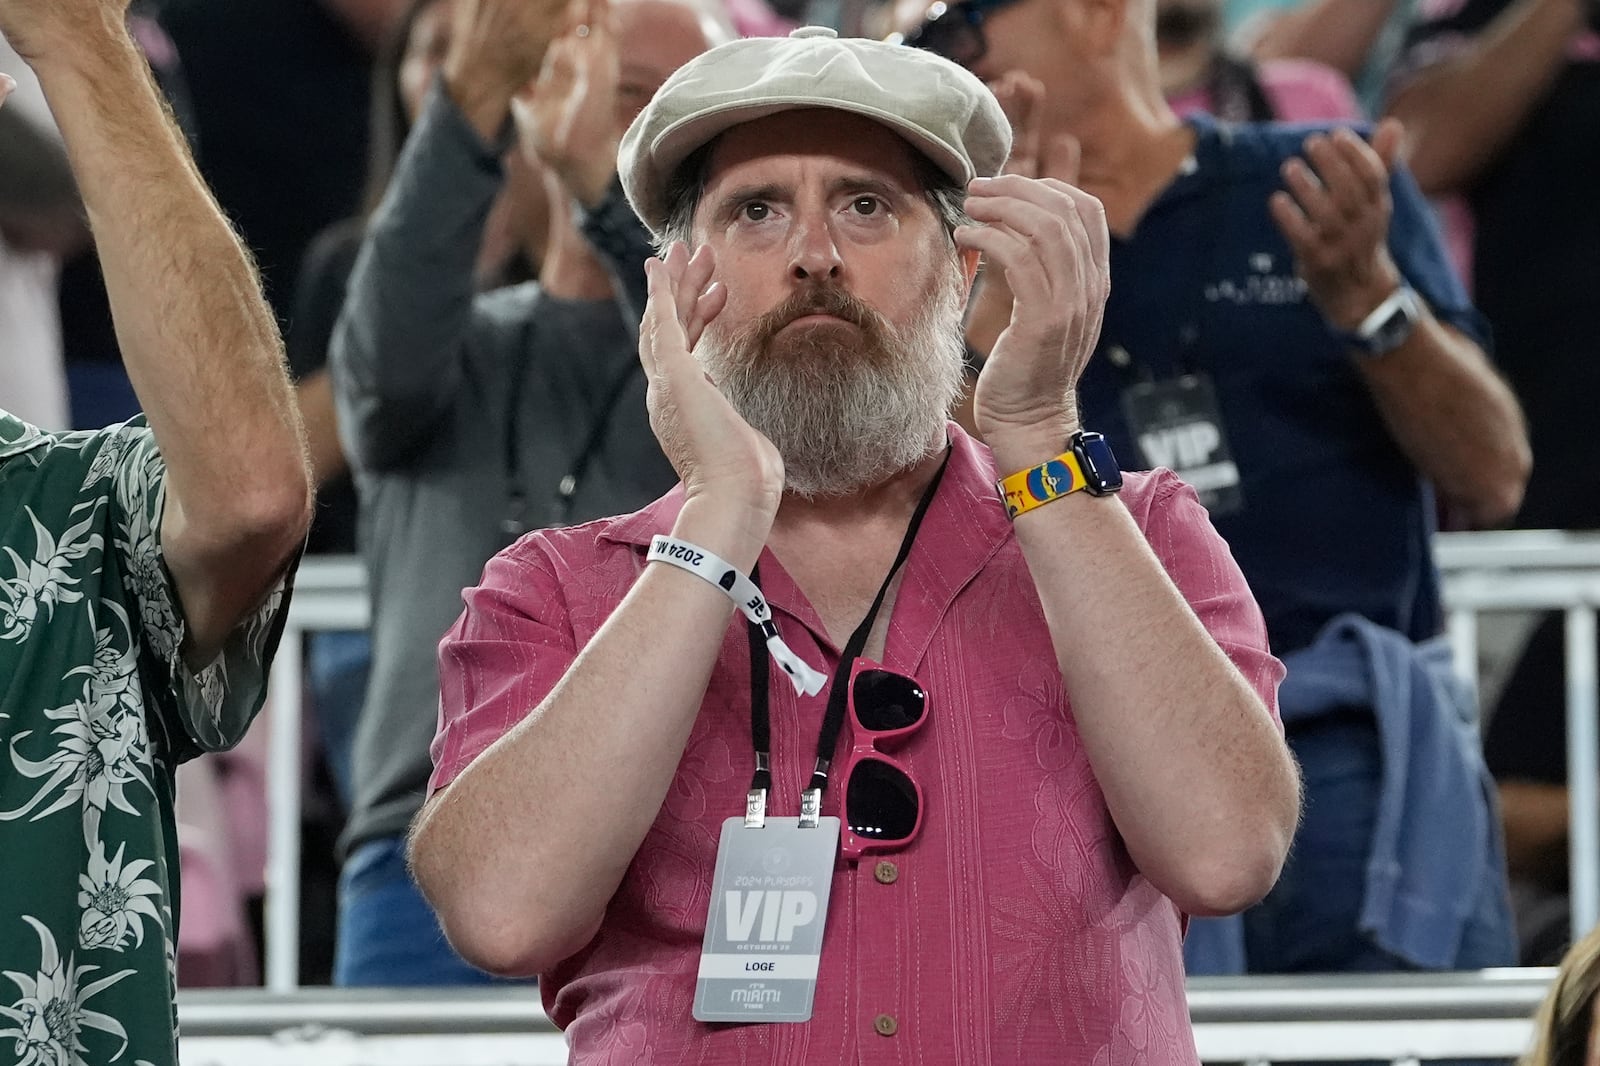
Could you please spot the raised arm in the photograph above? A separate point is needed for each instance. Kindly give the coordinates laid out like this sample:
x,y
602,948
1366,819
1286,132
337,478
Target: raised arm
x,y
200,344
1338,33
521,853
1471,94
567,121
1194,769
1445,405
398,349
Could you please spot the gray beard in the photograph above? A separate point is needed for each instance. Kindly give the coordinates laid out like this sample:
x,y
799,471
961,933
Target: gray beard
x,y
847,410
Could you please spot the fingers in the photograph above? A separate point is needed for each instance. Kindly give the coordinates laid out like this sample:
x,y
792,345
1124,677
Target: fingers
x,y
707,308
6,85
1293,224
684,294
1388,140
1047,215
1348,187
1020,97
558,73
661,334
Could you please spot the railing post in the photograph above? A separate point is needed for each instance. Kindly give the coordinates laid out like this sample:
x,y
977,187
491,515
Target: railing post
x,y
1583,774
283,805
1463,623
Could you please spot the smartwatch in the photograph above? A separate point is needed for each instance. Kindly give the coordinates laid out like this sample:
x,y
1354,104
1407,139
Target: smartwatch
x,y
1389,325
1101,473
1087,466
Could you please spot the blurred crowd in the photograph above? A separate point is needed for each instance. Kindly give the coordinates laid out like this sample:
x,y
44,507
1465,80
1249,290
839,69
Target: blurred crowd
x,y
434,207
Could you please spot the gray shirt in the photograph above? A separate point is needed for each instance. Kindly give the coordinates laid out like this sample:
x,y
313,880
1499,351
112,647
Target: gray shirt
x,y
453,407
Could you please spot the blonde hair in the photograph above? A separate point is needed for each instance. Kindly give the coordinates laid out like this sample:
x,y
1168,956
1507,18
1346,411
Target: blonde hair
x,y
1562,1026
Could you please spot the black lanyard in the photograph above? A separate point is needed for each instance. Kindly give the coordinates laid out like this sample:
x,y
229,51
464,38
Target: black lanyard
x,y
838,691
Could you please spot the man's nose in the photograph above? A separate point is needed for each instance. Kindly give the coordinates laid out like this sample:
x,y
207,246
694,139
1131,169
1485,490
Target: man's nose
x,y
815,254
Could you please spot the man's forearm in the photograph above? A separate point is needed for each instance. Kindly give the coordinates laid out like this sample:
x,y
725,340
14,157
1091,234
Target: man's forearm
x,y
199,343
1456,419
1337,33
522,853
39,205
1195,773
398,350
1460,112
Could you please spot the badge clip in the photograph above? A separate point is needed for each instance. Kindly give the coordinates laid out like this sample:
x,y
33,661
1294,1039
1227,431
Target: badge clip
x,y
755,808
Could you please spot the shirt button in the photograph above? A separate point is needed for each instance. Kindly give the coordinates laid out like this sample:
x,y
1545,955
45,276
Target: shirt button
x,y
887,873
886,1025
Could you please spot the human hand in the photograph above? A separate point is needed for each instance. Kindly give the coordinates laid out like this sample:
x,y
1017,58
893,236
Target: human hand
x,y
567,117
38,28
1336,220
6,86
1021,97
1051,242
718,455
496,48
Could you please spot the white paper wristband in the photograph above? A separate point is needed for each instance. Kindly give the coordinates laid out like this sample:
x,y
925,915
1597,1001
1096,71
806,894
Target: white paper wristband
x,y
746,596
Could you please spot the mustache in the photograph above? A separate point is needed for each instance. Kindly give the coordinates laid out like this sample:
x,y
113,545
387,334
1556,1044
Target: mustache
x,y
818,300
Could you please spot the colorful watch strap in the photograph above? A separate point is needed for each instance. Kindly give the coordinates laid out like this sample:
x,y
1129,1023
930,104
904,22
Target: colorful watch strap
x,y
1037,486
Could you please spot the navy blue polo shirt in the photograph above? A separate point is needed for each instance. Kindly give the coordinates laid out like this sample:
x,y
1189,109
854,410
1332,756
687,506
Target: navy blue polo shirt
x,y
1334,517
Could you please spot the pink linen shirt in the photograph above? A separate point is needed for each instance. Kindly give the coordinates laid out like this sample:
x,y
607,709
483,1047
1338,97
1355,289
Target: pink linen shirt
x,y
1014,929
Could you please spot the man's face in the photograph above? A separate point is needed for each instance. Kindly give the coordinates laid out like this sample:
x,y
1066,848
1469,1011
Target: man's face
x,y
654,38
841,335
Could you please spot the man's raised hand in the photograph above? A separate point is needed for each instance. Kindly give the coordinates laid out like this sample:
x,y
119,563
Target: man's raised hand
x,y
720,458
1051,242
496,48
567,117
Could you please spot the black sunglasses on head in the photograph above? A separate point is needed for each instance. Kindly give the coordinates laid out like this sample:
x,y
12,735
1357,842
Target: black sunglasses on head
x,y
954,31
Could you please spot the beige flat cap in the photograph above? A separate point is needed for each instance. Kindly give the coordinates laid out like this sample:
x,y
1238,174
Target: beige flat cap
x,y
940,108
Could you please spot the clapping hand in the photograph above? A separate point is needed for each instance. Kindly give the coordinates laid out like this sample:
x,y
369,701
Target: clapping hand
x,y
496,48
719,456
567,118
1336,220
1046,277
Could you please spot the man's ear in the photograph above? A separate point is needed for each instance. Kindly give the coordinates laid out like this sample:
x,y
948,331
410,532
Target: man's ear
x,y
969,265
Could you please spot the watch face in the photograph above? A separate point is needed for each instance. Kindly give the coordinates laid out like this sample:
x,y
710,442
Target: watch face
x,y
1100,466
1393,332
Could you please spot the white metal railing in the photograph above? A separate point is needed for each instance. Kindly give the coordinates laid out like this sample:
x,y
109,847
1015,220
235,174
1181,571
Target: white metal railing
x,y
1553,571
1482,572
1395,1018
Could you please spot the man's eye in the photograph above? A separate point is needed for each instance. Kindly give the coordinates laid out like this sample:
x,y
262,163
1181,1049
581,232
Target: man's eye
x,y
756,211
865,205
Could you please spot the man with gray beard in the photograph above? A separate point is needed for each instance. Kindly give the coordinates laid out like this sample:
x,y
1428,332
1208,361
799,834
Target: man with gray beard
x,y
1059,701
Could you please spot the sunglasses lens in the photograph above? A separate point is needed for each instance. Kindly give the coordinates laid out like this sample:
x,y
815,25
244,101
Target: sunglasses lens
x,y
886,701
951,36
880,802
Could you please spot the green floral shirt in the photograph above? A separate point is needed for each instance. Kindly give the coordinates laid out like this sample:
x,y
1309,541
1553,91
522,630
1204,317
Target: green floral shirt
x,y
96,712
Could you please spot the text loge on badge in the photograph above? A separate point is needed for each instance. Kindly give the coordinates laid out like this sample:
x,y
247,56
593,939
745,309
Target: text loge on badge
x,y
769,907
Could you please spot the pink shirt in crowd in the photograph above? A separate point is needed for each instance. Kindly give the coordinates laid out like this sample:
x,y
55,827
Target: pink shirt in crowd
x,y
1298,90
1014,929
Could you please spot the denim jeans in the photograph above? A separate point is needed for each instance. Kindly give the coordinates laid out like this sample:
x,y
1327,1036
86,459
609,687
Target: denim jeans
x,y
1309,921
388,935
